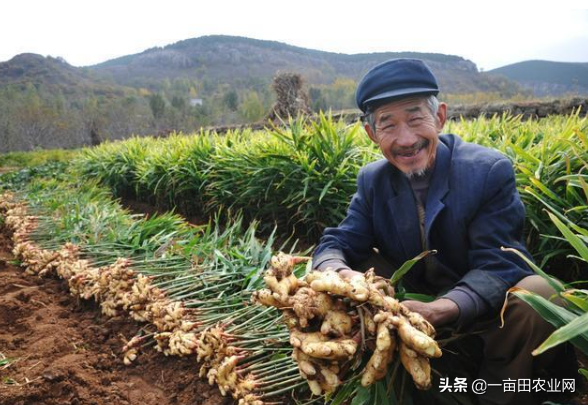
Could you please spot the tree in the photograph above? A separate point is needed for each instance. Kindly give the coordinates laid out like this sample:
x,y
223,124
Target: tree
x,y
340,94
157,105
179,103
317,99
231,100
251,109
193,92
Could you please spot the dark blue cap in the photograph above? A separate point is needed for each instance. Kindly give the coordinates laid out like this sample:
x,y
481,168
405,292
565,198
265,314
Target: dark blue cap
x,y
394,79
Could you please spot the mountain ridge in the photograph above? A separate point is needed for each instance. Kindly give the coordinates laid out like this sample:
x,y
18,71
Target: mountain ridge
x,y
222,58
547,77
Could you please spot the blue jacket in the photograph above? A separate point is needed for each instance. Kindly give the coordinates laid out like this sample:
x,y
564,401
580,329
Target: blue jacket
x,y
472,209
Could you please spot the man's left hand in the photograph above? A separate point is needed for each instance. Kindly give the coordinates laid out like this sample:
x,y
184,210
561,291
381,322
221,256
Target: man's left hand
x,y
439,312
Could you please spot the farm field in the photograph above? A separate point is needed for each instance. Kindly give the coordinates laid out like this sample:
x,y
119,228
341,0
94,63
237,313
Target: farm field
x,y
240,186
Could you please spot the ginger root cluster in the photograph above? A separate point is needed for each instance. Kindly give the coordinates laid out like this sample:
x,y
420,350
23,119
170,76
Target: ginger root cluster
x,y
333,321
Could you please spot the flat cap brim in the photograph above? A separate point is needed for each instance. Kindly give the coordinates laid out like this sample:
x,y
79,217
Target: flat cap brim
x,y
397,94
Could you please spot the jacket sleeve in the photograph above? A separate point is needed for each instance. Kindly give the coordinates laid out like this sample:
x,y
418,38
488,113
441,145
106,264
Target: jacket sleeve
x,y
350,242
498,222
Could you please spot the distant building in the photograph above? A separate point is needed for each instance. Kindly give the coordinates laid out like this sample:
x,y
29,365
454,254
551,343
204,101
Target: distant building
x,y
195,101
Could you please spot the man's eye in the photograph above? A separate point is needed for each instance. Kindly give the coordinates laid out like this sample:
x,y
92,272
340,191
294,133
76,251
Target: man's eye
x,y
416,120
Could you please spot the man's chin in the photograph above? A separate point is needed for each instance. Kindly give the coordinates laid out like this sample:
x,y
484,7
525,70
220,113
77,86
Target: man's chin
x,y
415,172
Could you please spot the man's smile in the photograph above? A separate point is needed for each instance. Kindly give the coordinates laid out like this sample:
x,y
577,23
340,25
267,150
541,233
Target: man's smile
x,y
409,153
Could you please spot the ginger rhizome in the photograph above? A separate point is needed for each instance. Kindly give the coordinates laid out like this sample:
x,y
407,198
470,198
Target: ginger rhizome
x,y
333,320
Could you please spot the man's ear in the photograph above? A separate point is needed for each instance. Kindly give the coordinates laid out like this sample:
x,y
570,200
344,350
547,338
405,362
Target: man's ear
x,y
370,133
441,116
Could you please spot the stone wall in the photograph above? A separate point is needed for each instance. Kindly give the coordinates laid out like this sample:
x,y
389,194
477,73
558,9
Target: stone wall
x,y
528,109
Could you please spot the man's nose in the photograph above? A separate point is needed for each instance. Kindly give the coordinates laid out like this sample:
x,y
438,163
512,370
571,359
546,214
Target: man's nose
x,y
406,137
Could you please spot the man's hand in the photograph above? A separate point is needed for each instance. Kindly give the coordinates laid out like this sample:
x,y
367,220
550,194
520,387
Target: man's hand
x,y
349,274
438,312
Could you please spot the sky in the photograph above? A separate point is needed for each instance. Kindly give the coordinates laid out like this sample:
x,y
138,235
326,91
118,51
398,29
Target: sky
x,y
85,33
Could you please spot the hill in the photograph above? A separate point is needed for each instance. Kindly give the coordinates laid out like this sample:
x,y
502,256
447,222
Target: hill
x,y
55,75
244,62
546,77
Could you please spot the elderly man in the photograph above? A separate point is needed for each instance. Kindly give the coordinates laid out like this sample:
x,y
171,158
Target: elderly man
x,y
438,192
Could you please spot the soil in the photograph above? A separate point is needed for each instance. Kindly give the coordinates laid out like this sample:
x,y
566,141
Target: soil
x,y
60,352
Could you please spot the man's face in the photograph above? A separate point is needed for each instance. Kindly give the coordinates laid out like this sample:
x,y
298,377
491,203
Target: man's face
x,y
407,133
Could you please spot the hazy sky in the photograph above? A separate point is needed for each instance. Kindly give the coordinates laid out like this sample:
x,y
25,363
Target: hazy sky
x,y
86,33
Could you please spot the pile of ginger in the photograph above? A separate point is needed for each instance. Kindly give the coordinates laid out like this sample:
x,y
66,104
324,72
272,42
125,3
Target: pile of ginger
x,y
333,321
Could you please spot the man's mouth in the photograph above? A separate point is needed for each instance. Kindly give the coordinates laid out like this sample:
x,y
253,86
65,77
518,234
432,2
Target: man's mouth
x,y
413,151
408,154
